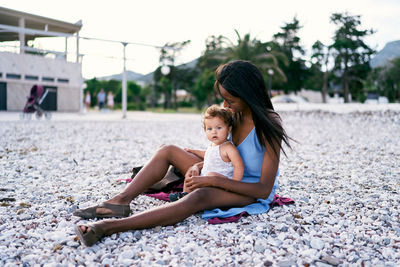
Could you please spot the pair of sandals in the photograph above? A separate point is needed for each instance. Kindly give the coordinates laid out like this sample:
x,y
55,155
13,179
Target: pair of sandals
x,y
90,237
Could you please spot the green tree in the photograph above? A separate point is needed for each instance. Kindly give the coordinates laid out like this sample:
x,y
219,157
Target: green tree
x,y
214,54
204,89
393,77
134,93
220,49
211,58
319,71
146,94
252,49
289,43
93,86
162,86
168,54
351,53
386,80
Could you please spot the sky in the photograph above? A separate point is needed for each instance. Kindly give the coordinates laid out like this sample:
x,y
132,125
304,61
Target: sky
x,y
157,22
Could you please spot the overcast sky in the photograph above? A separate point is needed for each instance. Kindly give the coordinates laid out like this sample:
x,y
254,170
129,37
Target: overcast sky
x,y
158,22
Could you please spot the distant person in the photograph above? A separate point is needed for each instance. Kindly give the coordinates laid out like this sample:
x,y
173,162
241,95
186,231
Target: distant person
x,y
87,100
221,157
101,98
110,100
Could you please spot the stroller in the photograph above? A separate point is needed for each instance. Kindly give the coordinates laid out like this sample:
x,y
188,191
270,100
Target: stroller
x,y
34,100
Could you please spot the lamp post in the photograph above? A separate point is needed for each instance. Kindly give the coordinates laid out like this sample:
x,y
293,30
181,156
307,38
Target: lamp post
x,y
124,90
165,69
270,73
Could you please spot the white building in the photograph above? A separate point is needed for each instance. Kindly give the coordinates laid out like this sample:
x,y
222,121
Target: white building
x,y
20,71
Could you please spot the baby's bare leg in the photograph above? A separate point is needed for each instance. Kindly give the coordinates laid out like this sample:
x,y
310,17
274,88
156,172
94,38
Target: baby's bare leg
x,y
185,188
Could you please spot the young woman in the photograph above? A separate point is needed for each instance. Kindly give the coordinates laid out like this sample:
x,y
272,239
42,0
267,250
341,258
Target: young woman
x,y
257,134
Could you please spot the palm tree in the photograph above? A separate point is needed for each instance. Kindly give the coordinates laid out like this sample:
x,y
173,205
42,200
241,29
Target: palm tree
x,y
259,53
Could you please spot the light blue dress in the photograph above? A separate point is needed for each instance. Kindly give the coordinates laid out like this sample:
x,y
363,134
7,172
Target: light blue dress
x,y
252,154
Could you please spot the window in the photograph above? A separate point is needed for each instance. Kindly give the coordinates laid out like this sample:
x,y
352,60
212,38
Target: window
x,y
31,77
13,76
47,79
61,80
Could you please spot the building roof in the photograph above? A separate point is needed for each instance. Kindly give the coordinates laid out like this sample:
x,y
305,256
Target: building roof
x,y
11,17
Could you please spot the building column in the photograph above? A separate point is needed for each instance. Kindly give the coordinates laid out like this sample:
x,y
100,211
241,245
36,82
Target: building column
x,y
21,35
66,48
77,47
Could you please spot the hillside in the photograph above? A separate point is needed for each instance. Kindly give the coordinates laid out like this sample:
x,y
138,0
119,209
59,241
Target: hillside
x,y
390,51
143,78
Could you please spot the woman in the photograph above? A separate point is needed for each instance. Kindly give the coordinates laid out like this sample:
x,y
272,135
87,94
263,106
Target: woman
x,y
110,100
257,134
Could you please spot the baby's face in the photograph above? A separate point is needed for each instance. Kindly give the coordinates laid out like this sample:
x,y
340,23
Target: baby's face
x,y
216,130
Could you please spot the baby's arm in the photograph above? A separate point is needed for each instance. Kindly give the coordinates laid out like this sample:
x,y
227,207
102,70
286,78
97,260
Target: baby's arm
x,y
199,153
237,162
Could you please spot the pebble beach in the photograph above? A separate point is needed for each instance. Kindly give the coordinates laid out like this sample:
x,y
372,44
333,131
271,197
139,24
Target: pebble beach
x,y
343,172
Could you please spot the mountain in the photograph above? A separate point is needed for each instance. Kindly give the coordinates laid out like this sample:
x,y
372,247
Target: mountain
x,y
144,78
130,75
389,52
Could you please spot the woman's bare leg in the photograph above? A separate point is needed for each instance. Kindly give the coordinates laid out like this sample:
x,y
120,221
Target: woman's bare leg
x,y
153,172
171,213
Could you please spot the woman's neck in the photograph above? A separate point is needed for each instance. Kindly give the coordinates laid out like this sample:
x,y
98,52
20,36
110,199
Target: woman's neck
x,y
246,117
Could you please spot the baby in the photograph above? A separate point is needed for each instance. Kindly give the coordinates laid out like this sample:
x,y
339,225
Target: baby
x,y
221,157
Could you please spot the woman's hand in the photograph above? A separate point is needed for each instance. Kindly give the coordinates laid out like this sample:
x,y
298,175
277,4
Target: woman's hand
x,y
195,182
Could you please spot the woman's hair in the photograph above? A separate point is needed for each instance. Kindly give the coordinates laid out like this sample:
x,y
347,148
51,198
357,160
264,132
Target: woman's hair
x,y
220,112
244,80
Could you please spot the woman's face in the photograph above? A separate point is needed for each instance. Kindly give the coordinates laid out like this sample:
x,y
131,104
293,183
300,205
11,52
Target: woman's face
x,y
234,103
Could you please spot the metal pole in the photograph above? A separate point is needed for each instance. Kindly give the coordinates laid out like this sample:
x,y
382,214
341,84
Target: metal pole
x,y
124,95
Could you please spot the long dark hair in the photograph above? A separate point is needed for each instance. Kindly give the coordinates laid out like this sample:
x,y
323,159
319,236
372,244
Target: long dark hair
x,y
244,80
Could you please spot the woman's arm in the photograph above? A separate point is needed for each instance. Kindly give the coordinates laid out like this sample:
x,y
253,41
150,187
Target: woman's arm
x,y
199,153
261,189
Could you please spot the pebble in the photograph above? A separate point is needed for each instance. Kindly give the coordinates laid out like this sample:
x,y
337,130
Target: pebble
x,y
331,260
342,173
317,243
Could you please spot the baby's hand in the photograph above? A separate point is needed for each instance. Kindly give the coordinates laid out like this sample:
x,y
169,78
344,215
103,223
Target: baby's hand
x,y
192,171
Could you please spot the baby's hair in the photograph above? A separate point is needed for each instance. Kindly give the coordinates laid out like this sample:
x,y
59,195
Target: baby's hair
x,y
216,111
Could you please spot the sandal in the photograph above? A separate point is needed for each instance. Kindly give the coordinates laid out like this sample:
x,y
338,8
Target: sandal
x,y
176,196
118,211
91,237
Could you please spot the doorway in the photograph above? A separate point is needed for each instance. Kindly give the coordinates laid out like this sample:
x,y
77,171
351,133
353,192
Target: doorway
x,y
3,96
